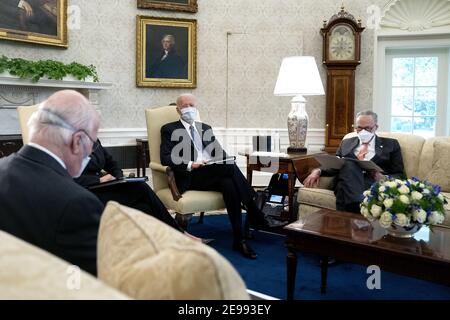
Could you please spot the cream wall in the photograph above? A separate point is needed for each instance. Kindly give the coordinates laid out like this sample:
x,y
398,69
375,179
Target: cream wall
x,y
260,33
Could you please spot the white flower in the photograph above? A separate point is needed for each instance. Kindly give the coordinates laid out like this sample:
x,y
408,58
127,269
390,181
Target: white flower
x,y
420,215
426,191
441,197
403,189
400,182
365,201
385,219
422,185
390,184
404,199
375,211
435,217
364,212
416,195
382,189
366,193
401,219
388,203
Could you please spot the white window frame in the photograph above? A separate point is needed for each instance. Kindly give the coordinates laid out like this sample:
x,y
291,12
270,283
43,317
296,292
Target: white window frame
x,y
382,90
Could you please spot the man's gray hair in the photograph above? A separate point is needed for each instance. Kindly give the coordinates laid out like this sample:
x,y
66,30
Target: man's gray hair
x,y
368,113
181,96
61,115
170,37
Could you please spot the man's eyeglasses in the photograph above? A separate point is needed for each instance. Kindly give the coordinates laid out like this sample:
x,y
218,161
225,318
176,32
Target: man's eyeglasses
x,y
370,129
95,144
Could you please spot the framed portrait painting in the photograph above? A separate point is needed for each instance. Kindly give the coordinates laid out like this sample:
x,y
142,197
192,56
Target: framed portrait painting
x,y
174,5
166,52
35,21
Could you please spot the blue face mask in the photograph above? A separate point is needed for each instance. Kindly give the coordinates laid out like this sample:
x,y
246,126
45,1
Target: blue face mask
x,y
189,114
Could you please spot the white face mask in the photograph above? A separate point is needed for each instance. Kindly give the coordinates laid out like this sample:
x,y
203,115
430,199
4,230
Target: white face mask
x,y
189,114
83,165
365,136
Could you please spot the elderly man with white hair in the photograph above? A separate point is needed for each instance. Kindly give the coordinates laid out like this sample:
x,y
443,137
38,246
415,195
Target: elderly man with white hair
x,y
40,202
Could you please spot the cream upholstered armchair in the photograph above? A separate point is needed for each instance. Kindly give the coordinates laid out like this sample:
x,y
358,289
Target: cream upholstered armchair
x,y
163,178
25,113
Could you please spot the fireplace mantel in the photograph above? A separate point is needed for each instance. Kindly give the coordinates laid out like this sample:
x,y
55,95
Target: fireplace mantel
x,y
23,92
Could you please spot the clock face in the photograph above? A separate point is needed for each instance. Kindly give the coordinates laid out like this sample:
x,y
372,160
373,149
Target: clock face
x,y
341,43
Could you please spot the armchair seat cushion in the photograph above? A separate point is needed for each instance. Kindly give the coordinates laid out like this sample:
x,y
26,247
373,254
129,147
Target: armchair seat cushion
x,y
147,259
192,201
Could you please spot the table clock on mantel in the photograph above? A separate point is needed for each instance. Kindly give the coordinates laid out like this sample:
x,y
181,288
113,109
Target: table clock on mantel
x,y
341,55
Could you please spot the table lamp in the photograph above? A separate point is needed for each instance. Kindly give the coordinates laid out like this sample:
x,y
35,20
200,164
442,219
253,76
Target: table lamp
x,y
298,77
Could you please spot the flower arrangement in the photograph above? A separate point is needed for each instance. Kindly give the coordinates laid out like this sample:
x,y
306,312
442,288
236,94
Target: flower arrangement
x,y
404,203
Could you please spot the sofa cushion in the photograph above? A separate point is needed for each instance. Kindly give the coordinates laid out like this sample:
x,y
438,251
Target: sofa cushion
x,y
28,272
440,169
427,156
322,198
147,259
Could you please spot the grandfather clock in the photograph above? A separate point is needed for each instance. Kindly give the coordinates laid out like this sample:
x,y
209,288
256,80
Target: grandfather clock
x,y
341,55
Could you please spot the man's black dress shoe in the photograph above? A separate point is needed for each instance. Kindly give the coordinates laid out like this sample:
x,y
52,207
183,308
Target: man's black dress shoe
x,y
245,249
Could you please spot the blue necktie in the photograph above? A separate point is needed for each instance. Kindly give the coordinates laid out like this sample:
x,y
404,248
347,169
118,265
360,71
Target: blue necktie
x,y
196,139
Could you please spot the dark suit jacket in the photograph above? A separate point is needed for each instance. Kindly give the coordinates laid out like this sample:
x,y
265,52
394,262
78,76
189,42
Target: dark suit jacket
x,y
174,137
173,66
100,160
388,155
41,204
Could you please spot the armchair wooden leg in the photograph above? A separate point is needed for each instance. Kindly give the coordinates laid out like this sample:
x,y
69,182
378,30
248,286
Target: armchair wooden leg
x,y
183,220
200,219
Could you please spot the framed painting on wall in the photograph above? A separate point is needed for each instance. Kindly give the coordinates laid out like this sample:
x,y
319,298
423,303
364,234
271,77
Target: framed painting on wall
x,y
166,52
35,21
174,5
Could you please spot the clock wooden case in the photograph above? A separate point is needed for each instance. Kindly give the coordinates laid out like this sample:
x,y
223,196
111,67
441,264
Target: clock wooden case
x,y
341,55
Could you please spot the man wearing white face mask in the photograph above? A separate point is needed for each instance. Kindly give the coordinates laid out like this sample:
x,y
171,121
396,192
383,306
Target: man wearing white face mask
x,y
350,181
186,146
40,202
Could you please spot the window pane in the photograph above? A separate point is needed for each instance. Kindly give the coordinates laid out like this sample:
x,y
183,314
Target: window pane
x,y
402,72
426,71
402,102
424,126
401,124
425,101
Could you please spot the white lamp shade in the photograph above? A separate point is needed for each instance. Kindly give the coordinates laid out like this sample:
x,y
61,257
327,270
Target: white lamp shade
x,y
298,76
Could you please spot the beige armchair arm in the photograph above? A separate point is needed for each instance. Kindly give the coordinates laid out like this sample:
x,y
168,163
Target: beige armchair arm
x,y
176,195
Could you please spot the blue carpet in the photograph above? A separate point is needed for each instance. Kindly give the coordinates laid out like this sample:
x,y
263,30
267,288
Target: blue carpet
x,y
267,274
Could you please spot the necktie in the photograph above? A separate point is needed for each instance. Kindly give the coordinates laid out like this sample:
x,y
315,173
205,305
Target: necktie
x,y
363,151
196,138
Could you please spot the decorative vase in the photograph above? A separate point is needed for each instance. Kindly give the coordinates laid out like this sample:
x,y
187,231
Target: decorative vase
x,y
404,232
297,126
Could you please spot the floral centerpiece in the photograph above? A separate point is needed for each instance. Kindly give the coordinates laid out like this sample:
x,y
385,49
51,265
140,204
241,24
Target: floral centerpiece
x,y
403,206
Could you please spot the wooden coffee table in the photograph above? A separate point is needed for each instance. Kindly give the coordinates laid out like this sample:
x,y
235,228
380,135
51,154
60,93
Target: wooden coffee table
x,y
350,237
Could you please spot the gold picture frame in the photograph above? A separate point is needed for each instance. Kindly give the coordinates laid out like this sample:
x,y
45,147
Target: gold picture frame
x,y
42,22
166,52
173,5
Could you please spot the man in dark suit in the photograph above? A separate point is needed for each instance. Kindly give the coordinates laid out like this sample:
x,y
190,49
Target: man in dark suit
x,y
168,64
187,146
138,195
351,181
40,202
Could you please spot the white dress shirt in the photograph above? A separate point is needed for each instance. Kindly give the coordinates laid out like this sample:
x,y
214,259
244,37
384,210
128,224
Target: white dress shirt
x,y
51,154
200,155
370,151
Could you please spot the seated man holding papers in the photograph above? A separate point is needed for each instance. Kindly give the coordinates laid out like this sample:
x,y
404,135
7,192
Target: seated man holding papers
x,y
188,146
354,177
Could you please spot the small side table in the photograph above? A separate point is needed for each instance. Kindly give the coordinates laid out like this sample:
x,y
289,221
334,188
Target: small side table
x,y
142,156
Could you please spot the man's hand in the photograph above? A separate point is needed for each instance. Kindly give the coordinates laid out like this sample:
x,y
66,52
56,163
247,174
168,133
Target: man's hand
x,y
312,180
106,178
196,165
376,175
26,6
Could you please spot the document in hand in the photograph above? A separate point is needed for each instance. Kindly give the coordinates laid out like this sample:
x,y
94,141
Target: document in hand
x,y
332,162
117,181
221,161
